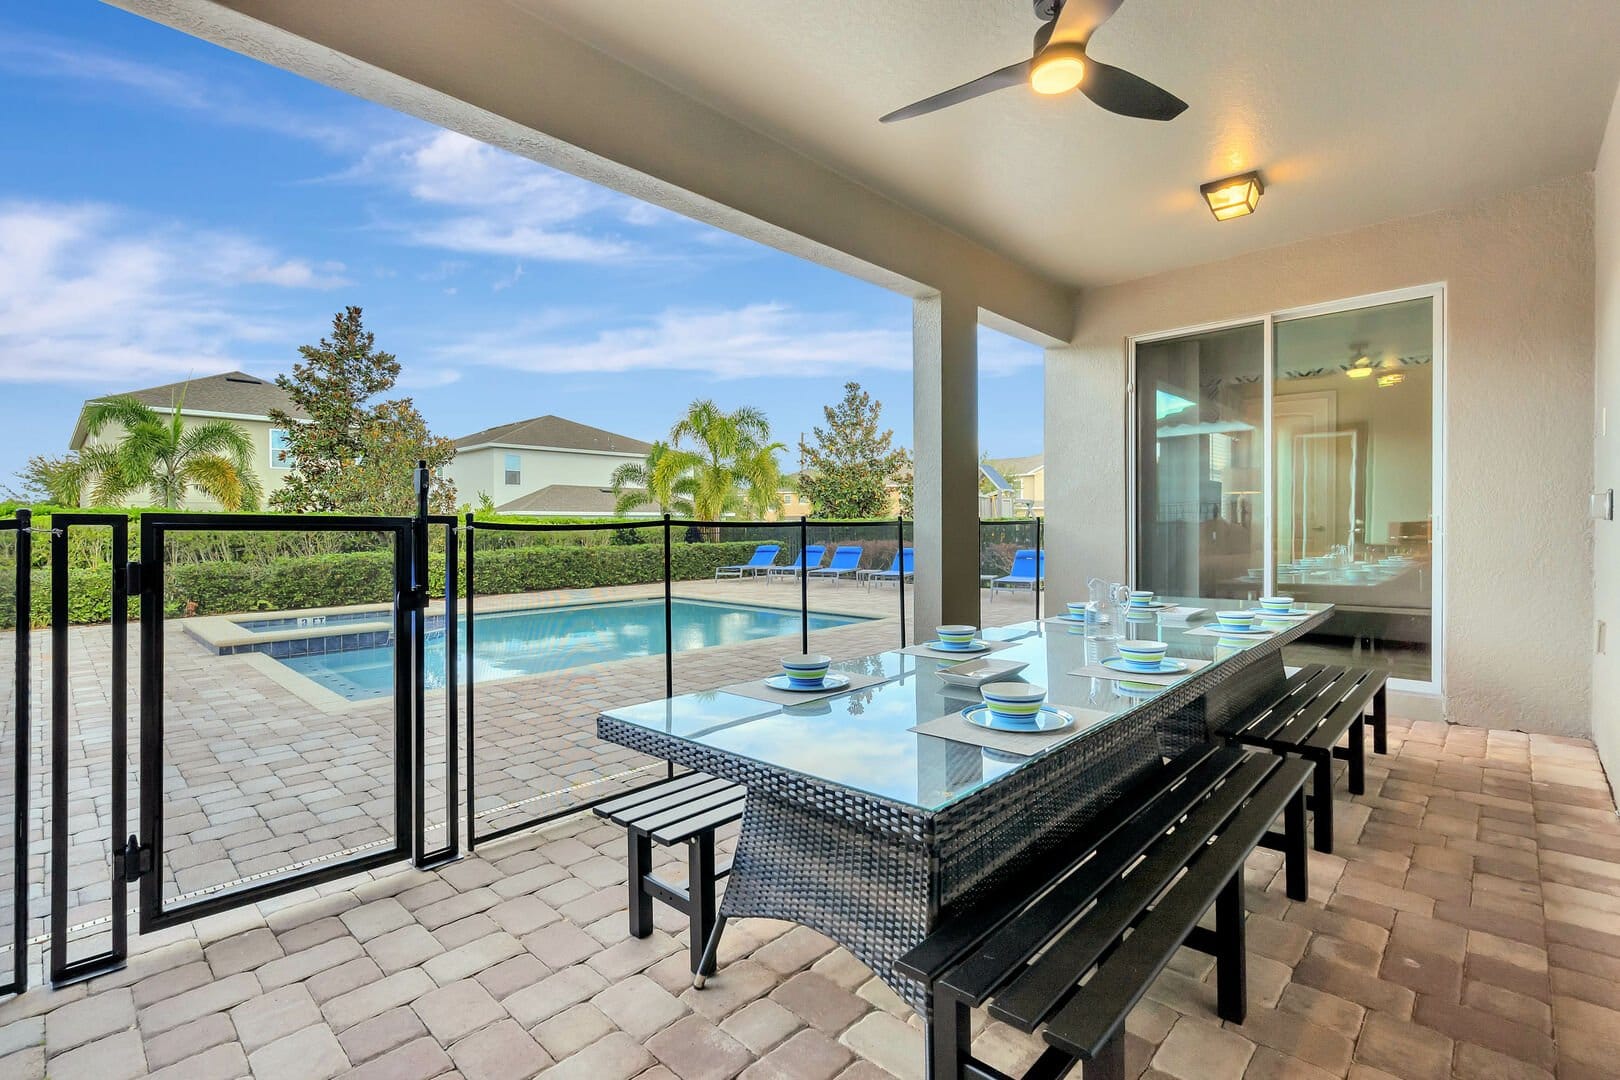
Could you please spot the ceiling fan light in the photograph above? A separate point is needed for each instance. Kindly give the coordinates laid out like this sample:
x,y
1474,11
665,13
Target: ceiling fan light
x,y
1394,378
1233,197
1057,70
1359,372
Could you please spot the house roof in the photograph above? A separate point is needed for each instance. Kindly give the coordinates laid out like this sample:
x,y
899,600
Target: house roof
x,y
569,500
554,432
1018,466
230,393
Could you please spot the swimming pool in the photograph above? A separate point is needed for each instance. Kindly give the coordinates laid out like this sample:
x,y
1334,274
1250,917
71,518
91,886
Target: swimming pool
x,y
509,644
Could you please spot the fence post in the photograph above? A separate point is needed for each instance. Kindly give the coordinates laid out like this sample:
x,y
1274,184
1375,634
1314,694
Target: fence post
x,y
669,630
1040,567
20,729
900,566
472,829
804,584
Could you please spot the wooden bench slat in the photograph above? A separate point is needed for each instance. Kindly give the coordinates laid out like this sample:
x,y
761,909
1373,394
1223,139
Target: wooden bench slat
x,y
1262,707
1308,719
962,931
1013,944
684,830
1081,1027
1352,706
1041,987
677,814
659,809
1266,724
652,791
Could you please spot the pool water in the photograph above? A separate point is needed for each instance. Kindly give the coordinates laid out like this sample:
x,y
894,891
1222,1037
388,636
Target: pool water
x,y
509,644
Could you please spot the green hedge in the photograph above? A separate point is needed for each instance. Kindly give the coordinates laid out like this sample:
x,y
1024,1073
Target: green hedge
x,y
335,580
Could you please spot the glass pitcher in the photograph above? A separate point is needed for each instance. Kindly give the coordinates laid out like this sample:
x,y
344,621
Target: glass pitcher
x,y
1105,613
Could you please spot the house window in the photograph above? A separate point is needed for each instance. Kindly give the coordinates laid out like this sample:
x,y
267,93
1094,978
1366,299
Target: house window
x,y
279,457
514,469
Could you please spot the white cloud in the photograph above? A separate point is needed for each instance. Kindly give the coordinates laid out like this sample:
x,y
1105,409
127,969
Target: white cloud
x,y
90,296
757,340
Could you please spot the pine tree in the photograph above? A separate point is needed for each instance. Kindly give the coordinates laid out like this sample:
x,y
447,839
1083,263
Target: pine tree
x,y
349,452
853,465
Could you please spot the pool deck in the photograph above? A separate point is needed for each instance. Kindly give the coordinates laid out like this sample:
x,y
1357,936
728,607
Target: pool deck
x,y
267,770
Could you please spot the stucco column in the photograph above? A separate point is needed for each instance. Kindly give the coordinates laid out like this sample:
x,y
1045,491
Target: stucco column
x,y
1086,459
945,425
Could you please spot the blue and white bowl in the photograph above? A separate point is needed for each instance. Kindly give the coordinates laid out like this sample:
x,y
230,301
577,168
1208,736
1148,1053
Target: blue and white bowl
x,y
1014,702
1143,655
1235,620
1077,609
1280,605
959,635
1141,597
806,670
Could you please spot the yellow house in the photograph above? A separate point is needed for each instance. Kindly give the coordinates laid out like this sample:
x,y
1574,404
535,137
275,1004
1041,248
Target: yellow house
x,y
1026,481
245,400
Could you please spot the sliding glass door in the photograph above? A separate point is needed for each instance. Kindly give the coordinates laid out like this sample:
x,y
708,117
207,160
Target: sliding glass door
x,y
1296,454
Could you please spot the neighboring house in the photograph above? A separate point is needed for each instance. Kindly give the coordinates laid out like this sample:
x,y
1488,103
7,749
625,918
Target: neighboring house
x,y
512,462
573,500
791,504
243,399
1019,485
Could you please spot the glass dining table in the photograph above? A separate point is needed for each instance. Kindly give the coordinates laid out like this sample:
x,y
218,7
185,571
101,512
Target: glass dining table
x,y
868,831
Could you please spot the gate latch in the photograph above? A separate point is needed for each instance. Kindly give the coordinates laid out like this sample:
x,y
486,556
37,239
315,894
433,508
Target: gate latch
x,y
135,860
132,578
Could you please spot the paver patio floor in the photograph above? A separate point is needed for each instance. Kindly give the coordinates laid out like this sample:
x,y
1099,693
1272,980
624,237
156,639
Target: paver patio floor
x,y
1467,927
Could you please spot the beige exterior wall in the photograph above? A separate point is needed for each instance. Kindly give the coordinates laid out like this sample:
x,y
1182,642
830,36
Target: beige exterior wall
x,y
1518,385
1606,534
483,470
270,478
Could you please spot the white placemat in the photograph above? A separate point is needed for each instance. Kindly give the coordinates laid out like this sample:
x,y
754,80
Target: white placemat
x,y
957,657
1211,631
760,692
1099,671
954,726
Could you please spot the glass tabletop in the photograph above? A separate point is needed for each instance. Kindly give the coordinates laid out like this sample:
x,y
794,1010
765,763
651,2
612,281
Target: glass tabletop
x,y
862,739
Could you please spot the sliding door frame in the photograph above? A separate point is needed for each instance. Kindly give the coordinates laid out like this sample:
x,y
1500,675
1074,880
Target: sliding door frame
x,y
1434,292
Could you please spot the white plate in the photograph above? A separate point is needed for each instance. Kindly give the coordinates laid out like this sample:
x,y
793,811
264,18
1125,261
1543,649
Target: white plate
x,y
1253,631
1167,666
1296,613
975,673
941,647
832,681
1049,719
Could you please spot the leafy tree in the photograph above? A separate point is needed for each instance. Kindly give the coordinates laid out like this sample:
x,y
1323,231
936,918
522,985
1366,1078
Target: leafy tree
x,y
60,481
350,452
853,464
715,463
164,455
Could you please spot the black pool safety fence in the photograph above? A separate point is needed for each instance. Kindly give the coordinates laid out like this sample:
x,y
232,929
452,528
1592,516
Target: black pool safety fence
x,y
402,726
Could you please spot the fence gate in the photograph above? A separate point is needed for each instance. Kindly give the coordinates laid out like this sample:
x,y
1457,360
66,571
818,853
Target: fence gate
x,y
297,763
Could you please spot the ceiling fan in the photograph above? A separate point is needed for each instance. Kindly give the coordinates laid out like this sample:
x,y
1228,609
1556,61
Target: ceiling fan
x,y
1060,64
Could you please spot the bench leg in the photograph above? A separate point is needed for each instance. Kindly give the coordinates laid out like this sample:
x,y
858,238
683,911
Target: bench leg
x,y
1296,853
640,861
1231,970
1109,1064
700,886
1358,756
948,1036
1322,802
1380,721
705,966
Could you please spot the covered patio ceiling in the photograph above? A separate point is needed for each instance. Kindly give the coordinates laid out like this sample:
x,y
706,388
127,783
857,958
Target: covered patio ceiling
x,y
1355,113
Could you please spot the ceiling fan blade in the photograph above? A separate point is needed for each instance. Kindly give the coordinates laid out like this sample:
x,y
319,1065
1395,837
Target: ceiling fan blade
x,y
1011,75
1118,91
1077,20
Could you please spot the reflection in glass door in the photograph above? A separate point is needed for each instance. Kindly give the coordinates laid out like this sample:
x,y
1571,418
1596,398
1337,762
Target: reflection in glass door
x,y
1353,449
1199,463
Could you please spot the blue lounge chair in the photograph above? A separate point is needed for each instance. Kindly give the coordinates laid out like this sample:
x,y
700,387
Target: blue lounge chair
x,y
845,560
764,556
811,557
896,570
1027,572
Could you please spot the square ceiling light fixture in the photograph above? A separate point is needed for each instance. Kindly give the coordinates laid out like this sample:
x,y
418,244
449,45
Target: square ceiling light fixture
x,y
1236,196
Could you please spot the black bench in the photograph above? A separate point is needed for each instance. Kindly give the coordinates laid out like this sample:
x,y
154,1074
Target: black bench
x,y
1307,715
684,810
1072,954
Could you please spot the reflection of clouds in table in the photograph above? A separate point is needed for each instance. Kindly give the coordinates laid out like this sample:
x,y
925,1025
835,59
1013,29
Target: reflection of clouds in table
x,y
875,762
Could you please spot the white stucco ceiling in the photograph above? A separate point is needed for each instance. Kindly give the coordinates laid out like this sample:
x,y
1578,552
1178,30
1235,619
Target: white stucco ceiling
x,y
1354,112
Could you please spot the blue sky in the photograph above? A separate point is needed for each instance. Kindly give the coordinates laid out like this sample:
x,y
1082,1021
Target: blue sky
x,y
168,208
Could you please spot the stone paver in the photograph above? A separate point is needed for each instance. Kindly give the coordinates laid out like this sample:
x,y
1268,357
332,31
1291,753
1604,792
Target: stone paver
x,y
1466,927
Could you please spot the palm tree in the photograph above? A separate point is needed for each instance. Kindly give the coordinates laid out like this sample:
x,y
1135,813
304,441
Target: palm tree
x,y
168,458
636,483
